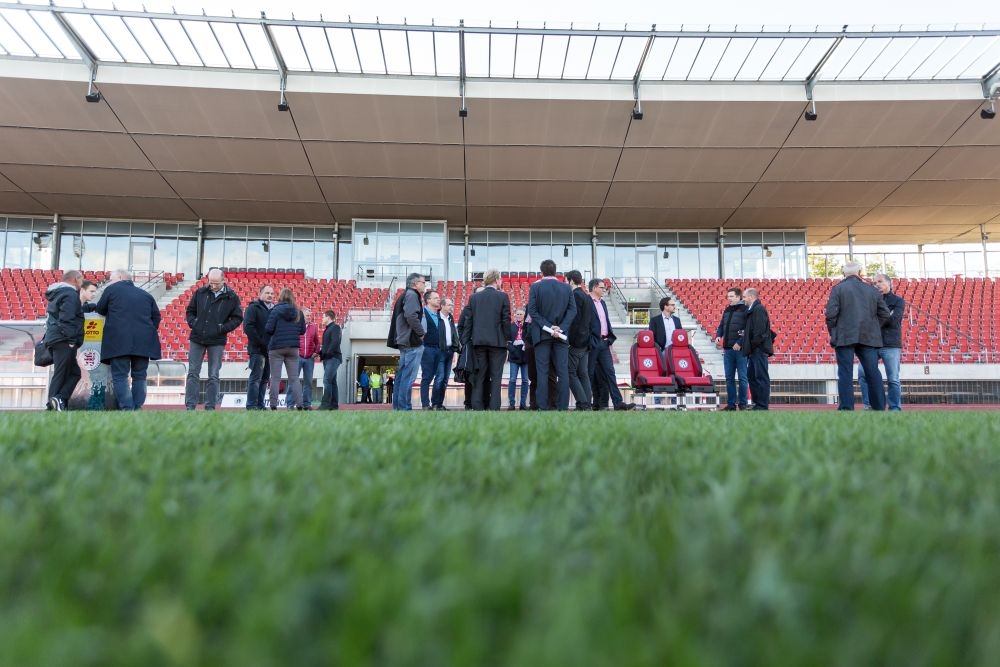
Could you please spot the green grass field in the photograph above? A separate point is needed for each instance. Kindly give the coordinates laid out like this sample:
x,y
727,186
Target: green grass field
x,y
167,538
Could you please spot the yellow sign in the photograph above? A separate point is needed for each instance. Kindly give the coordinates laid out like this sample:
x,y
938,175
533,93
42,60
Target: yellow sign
x,y
93,330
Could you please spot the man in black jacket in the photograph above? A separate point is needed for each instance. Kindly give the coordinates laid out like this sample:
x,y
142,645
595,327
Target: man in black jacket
x,y
758,345
63,337
254,319
329,353
730,336
579,343
892,345
855,314
214,312
488,331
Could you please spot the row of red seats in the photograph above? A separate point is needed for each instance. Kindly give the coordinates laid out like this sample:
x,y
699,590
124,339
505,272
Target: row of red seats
x,y
949,317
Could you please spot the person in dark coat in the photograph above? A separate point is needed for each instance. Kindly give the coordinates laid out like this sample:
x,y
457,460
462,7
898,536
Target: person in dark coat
x,y
254,320
131,337
855,314
214,312
551,307
729,335
603,380
285,324
665,324
579,343
330,355
63,337
892,346
758,345
488,331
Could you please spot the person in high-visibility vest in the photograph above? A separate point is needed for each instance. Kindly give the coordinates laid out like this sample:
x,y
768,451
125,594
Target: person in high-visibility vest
x,y
376,382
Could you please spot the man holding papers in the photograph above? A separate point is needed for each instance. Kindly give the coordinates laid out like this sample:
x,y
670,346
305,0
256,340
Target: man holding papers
x,y
551,308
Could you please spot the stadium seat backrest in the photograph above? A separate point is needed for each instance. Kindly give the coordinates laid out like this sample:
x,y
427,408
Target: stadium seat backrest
x,y
682,360
646,362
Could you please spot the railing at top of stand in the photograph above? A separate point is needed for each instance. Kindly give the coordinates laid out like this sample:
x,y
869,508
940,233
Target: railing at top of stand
x,y
147,279
391,300
944,328
362,315
657,287
985,357
617,294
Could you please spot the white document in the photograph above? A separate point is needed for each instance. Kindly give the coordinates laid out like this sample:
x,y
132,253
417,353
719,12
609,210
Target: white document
x,y
560,336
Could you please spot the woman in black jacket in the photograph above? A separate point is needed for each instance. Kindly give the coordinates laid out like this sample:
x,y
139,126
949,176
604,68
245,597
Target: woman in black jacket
x,y
285,324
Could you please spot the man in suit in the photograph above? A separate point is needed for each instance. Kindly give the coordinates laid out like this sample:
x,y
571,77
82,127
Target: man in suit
x,y
664,325
579,343
449,344
602,337
130,337
855,314
488,331
551,308
758,345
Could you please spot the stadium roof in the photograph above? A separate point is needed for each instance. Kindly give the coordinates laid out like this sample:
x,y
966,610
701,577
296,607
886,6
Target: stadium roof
x,y
188,127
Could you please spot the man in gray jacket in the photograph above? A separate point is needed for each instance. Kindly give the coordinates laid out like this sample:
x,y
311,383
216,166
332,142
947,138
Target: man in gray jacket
x,y
406,335
855,314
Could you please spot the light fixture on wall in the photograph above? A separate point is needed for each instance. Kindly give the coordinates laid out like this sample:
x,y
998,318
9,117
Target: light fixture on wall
x,y
768,252
42,240
989,114
266,246
565,251
666,254
365,240
472,251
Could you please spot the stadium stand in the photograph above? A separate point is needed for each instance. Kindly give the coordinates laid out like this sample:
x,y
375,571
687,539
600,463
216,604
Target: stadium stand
x,y
948,320
22,291
316,294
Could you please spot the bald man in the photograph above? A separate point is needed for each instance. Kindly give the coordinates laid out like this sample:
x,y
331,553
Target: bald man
x,y
213,313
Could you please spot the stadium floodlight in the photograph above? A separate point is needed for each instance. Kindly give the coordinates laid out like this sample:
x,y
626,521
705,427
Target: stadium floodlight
x,y
811,111
989,114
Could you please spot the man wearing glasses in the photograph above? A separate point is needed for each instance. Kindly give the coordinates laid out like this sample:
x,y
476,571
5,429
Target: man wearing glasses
x,y
406,334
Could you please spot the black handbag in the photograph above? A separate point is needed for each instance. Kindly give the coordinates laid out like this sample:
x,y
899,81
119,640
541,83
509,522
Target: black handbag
x,y
43,356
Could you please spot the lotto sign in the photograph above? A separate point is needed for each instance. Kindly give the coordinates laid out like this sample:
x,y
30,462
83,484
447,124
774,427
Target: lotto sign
x,y
93,331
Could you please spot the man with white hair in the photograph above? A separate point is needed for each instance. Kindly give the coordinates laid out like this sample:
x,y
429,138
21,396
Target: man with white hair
x,y
214,311
855,314
132,319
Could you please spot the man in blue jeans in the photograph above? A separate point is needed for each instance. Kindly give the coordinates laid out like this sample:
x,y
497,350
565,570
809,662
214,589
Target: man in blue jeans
x,y
213,313
432,358
855,314
730,336
329,353
892,345
254,318
406,334
308,351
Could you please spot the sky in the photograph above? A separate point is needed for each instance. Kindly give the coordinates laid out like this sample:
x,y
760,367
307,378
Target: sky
x,y
638,14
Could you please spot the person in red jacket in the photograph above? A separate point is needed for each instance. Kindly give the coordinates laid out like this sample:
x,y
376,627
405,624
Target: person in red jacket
x,y
308,351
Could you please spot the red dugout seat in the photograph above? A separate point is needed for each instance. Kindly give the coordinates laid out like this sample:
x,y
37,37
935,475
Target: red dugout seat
x,y
684,367
647,365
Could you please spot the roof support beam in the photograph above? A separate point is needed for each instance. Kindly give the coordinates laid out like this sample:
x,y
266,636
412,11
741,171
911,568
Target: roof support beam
x,y
637,109
991,81
278,60
810,82
463,111
85,53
